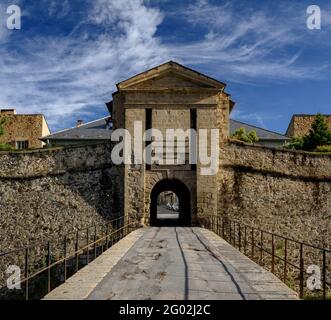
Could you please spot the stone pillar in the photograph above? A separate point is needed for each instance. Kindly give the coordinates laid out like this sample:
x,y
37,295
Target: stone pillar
x,y
134,176
207,185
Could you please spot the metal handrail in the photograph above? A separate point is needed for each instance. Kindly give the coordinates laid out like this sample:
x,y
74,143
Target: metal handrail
x,y
123,226
31,246
226,228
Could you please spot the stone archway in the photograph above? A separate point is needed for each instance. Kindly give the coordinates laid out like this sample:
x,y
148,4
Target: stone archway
x,y
183,194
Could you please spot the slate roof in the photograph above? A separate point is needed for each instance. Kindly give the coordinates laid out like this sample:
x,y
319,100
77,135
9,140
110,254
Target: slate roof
x,y
263,134
101,130
95,130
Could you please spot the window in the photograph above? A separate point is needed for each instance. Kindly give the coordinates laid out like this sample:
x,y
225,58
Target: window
x,y
148,125
22,145
193,113
148,119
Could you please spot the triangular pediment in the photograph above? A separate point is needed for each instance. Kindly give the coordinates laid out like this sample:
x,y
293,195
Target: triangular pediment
x,y
170,75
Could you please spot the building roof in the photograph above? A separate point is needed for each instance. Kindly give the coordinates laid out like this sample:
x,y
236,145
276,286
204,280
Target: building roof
x,y
175,67
95,130
101,130
178,70
262,133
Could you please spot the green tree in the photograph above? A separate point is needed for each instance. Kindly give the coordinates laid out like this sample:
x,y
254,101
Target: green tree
x,y
319,134
318,139
242,135
295,144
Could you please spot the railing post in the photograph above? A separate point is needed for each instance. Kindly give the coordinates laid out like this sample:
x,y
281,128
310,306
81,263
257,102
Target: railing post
x,y
103,232
26,274
65,258
95,243
107,236
76,250
301,272
234,234
223,229
272,254
245,240
253,244
324,274
239,236
285,261
118,232
216,224
122,226
261,247
112,234
87,246
48,267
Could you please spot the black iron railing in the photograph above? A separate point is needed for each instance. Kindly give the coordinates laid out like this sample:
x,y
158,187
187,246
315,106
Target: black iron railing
x,y
287,258
48,265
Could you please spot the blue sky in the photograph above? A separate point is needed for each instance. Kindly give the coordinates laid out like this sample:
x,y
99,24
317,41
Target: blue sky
x,y
68,56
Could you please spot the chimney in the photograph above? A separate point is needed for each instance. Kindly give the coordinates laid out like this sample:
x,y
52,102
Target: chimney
x,y
7,111
79,123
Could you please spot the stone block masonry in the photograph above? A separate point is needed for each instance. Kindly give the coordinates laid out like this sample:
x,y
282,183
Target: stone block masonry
x,y
23,127
301,124
47,193
285,192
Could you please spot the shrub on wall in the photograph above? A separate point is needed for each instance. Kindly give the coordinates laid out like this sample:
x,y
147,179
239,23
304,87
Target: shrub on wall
x,y
324,149
295,144
242,135
2,122
3,146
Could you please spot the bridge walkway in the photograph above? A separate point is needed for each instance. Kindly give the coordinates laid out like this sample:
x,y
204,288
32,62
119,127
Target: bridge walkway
x,y
172,263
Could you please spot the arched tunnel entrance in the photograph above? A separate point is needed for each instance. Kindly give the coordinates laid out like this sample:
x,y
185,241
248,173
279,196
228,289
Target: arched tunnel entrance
x,y
170,204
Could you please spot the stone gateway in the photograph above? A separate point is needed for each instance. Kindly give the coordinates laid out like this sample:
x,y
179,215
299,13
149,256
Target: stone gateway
x,y
46,193
171,96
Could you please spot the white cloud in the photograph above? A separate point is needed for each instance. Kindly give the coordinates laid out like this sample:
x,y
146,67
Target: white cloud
x,y
248,44
63,76
4,32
